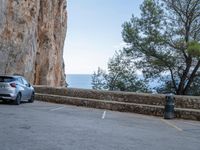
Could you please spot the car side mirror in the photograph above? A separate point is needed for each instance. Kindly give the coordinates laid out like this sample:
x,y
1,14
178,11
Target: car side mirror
x,y
28,85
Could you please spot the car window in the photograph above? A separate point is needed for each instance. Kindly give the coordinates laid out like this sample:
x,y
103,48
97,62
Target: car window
x,y
20,80
6,79
24,81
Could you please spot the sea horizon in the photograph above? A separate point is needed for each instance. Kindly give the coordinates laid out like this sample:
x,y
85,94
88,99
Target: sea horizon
x,y
84,81
79,81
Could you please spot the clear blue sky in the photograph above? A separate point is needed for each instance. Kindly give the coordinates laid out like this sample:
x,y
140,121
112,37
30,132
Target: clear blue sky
x,y
94,32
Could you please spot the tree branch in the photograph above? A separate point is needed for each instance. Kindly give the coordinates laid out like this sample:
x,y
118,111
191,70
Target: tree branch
x,y
192,76
173,80
184,76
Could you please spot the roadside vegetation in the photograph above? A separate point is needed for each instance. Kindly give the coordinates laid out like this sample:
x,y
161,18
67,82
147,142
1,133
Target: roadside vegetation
x,y
163,44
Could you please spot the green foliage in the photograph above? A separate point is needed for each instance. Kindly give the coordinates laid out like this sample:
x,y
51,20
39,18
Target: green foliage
x,y
163,43
195,88
194,48
99,80
167,87
165,40
120,77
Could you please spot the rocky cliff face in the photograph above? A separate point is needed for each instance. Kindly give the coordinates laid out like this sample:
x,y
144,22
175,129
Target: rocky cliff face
x,y
32,34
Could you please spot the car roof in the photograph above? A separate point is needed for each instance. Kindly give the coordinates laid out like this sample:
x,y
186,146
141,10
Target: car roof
x,y
11,76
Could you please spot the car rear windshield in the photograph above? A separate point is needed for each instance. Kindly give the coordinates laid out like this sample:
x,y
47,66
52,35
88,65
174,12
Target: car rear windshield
x,y
6,79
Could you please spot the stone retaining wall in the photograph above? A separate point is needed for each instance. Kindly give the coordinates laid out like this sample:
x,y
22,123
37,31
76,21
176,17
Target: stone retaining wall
x,y
153,110
103,104
191,102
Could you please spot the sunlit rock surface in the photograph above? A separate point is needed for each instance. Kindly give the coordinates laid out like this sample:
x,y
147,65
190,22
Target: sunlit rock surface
x,y
32,34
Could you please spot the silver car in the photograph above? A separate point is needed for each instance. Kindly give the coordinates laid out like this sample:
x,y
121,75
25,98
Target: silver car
x,y
16,88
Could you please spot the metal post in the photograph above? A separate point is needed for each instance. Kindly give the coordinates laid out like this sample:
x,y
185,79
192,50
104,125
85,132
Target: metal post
x,y
169,107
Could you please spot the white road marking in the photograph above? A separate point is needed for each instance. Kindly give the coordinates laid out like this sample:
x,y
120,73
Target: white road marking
x,y
194,124
58,108
172,125
104,115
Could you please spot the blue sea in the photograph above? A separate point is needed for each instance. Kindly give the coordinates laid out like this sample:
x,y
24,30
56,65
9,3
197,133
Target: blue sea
x,y
79,81
84,81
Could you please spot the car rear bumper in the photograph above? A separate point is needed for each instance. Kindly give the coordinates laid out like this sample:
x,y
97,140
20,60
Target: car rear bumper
x,y
7,97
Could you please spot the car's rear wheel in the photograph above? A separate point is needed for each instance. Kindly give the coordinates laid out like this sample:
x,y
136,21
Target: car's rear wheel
x,y
4,101
31,100
18,99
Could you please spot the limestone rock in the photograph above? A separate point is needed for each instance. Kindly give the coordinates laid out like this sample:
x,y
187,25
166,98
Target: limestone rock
x,y
32,34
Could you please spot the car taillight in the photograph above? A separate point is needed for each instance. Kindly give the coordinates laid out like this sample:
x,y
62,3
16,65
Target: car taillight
x,y
13,85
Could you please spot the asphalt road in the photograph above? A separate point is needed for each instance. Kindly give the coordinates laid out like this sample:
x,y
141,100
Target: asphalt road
x,y
46,126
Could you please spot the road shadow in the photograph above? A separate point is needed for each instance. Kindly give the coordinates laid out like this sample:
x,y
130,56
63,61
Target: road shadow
x,y
2,102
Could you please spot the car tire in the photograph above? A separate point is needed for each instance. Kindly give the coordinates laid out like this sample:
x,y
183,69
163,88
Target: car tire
x,y
31,100
4,101
18,99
